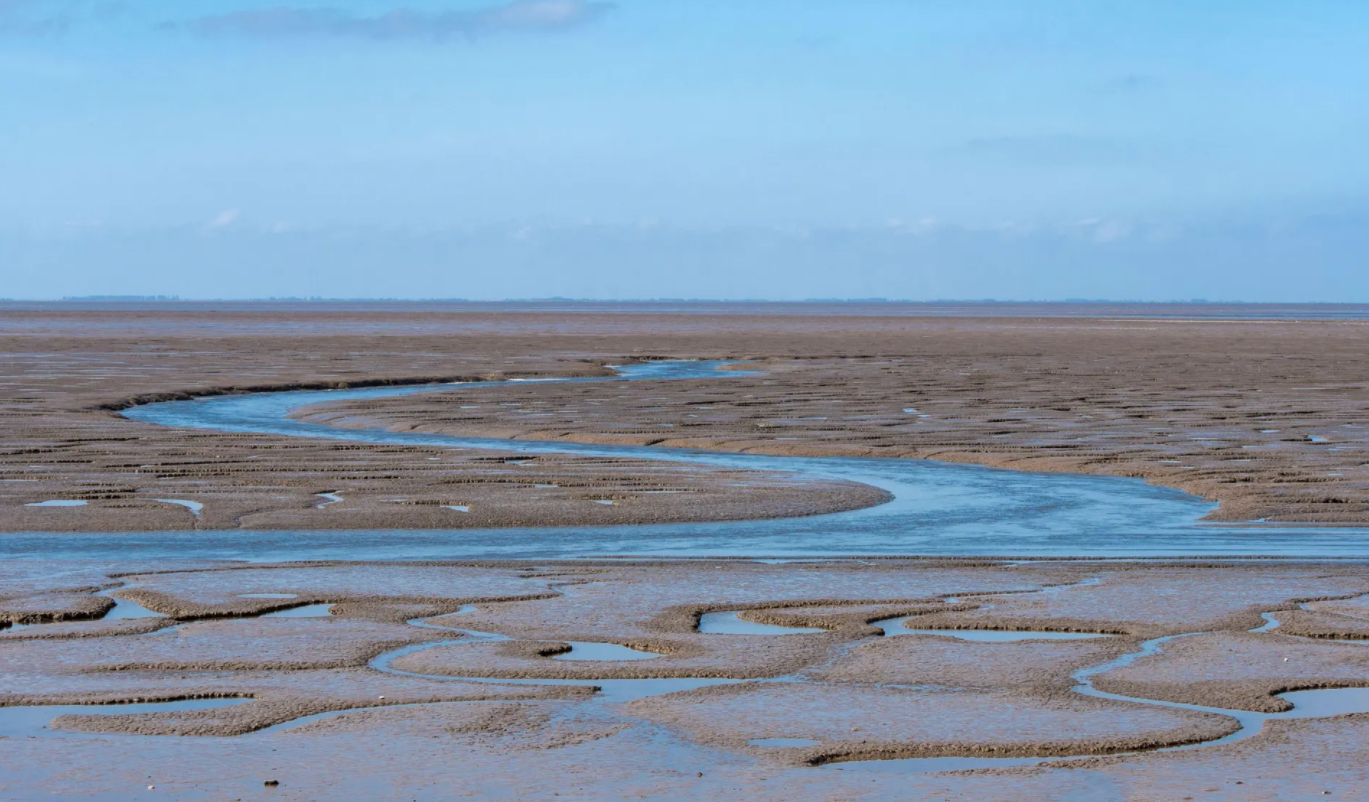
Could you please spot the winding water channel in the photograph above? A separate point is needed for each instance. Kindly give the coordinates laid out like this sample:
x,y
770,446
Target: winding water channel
x,y
936,509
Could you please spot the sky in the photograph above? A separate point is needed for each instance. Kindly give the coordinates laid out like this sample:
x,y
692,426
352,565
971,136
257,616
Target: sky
x,y
785,149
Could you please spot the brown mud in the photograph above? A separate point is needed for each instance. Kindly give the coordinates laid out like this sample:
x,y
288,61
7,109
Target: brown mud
x,y
1266,417
855,695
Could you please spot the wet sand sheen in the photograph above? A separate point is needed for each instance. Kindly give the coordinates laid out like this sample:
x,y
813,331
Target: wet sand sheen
x,y
1307,704
953,518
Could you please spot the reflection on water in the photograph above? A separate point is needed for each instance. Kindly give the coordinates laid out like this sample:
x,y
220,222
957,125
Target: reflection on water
x,y
731,623
127,608
895,626
307,611
937,508
35,720
582,650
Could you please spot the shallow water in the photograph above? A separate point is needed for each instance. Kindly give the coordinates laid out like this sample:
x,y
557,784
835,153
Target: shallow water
x,y
894,626
195,507
126,608
730,623
307,611
937,508
122,609
33,721
615,691
329,498
609,690
582,650
932,765
1319,703
57,503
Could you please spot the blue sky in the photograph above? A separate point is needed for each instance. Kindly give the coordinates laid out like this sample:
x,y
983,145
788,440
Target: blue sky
x,y
1020,149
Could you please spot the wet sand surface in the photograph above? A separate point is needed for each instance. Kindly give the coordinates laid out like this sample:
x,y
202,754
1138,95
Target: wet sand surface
x,y
451,671
206,677
1270,433
1265,416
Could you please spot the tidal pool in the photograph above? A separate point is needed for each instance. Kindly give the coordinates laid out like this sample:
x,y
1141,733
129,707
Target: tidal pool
x,y
126,608
195,507
730,623
306,611
894,626
582,650
35,721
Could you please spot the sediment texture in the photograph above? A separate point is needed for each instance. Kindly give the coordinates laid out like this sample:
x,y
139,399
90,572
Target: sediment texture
x,y
851,694
1267,417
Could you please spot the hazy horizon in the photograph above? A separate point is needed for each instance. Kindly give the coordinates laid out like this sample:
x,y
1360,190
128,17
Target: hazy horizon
x,y
622,150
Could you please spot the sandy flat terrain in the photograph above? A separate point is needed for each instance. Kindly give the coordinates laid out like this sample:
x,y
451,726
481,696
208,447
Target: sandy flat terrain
x,y
311,697
1268,417
470,680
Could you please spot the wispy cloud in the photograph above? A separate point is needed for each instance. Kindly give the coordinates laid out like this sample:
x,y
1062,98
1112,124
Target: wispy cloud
x,y
52,17
33,17
399,24
223,219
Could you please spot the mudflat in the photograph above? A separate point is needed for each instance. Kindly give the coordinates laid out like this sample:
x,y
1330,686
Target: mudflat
x,y
877,678
1268,417
472,678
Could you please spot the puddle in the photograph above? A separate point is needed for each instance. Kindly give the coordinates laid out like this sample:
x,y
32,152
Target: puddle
x,y
295,723
729,623
582,650
782,743
931,765
122,609
1326,702
333,498
614,690
893,627
1319,703
194,506
125,608
604,501
33,721
610,690
57,503
457,507
307,611
1083,583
